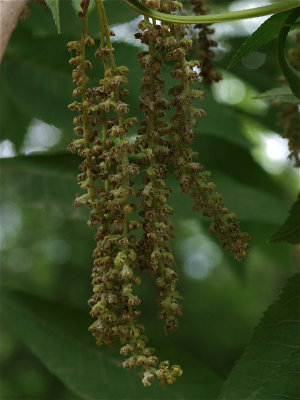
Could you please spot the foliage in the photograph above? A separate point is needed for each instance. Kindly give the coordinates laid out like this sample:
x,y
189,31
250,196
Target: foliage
x,y
290,230
256,375
47,245
54,7
291,77
63,343
282,94
265,33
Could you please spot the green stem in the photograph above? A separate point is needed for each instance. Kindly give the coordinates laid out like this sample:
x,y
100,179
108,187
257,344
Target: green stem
x,y
104,27
102,23
152,122
102,33
213,18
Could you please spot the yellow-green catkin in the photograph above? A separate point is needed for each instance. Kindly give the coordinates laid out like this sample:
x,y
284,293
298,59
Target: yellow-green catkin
x,y
154,148
84,126
192,176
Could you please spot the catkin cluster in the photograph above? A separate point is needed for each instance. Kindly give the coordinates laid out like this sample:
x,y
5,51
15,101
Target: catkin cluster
x,y
127,245
107,179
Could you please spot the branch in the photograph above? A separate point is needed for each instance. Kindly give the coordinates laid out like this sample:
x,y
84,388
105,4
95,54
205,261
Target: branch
x,y
212,18
9,14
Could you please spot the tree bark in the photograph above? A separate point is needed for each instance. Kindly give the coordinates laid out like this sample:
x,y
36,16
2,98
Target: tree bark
x,y
9,14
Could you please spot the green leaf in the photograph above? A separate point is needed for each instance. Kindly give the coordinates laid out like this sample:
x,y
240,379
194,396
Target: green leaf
x,y
291,77
290,230
117,12
284,381
281,93
39,91
265,33
58,336
274,338
54,7
45,180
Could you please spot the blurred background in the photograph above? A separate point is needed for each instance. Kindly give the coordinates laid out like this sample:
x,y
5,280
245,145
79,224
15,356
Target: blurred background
x,y
46,244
